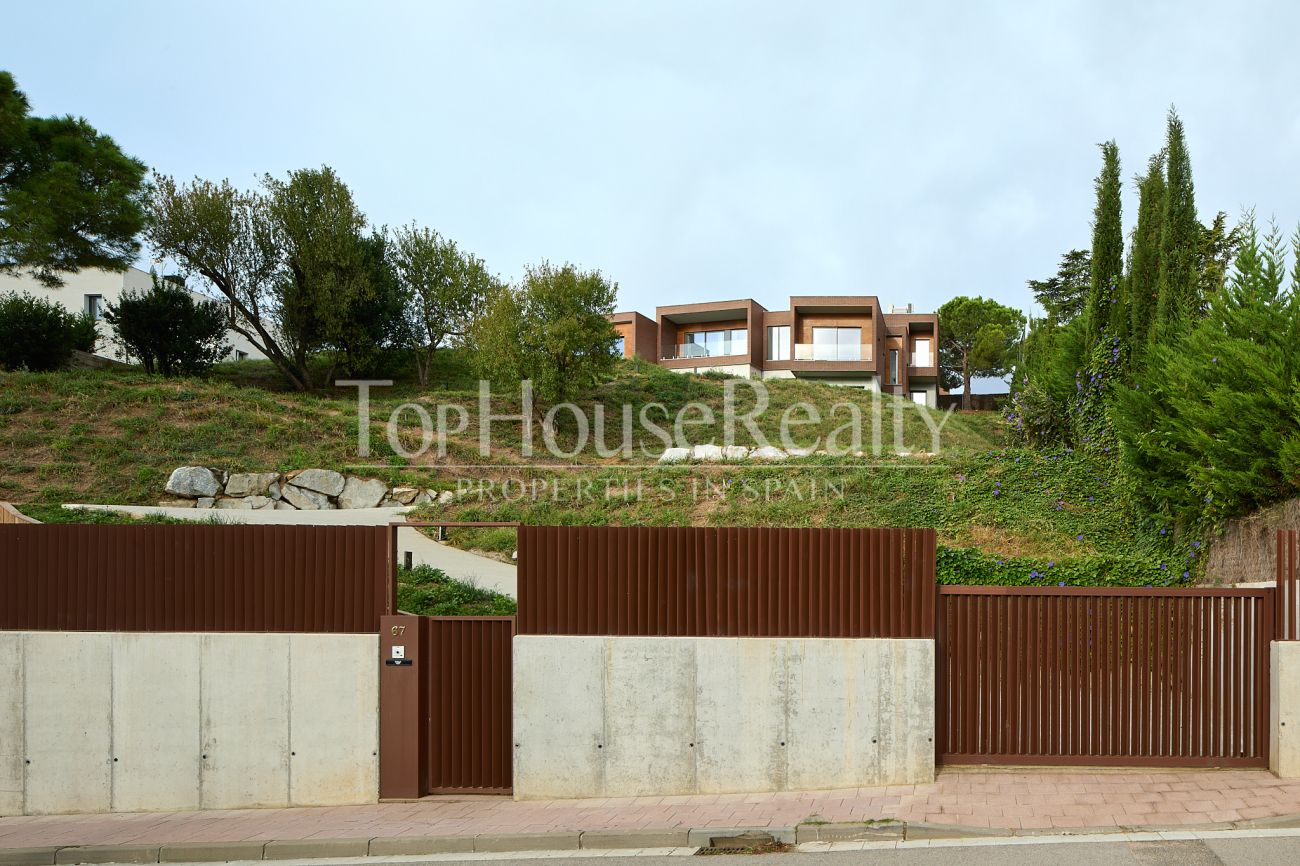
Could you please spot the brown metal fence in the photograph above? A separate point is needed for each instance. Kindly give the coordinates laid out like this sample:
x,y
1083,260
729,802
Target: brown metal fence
x,y
195,578
1287,607
468,671
1103,676
726,582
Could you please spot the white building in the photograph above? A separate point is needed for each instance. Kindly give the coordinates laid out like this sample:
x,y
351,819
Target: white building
x,y
91,290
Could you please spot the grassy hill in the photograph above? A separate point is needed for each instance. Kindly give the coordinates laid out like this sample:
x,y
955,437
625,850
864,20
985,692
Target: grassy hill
x,y
1003,516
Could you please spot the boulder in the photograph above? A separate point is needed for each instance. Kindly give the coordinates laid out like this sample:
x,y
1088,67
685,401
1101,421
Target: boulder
x,y
675,455
193,482
404,495
324,481
281,505
734,452
707,453
446,497
250,483
799,452
767,452
389,502
424,497
362,493
204,502
309,500
230,503
176,503
257,503
273,490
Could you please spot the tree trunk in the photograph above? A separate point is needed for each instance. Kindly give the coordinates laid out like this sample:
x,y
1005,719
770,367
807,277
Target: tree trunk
x,y
965,382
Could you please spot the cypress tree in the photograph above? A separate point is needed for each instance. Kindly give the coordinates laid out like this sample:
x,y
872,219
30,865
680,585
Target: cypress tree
x,y
1144,268
1107,248
1180,235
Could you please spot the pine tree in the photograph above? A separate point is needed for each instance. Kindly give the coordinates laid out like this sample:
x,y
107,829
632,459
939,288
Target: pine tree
x,y
1107,248
1144,267
1180,238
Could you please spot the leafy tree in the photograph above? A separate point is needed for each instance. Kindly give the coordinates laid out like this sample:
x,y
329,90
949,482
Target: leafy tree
x,y
1144,261
443,289
229,238
1104,314
168,330
376,317
1064,294
553,328
977,337
1213,430
1218,247
69,197
1180,238
40,335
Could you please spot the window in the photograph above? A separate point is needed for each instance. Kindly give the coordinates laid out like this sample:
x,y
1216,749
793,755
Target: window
x,y
921,356
920,398
241,356
95,306
836,344
893,366
618,348
714,344
778,343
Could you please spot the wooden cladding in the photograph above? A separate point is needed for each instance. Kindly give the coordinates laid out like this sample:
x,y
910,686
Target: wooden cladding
x,y
467,672
1288,585
726,582
1103,676
195,578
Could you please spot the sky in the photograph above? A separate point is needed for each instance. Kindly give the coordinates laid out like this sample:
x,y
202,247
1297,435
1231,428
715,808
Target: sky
x,y
698,150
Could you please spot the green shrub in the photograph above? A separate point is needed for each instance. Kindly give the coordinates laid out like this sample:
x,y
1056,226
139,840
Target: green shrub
x,y
427,591
39,335
167,330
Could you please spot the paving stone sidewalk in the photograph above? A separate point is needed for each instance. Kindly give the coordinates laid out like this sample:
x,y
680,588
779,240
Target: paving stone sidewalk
x,y
1019,800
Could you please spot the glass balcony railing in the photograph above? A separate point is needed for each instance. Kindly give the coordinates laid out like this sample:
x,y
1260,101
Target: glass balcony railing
x,y
718,349
831,352
919,360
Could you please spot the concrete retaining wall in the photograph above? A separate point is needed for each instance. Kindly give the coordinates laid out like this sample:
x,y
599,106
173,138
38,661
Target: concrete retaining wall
x,y
119,722
1284,714
623,716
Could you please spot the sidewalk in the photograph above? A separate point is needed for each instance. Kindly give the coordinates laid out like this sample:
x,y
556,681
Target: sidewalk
x,y
977,799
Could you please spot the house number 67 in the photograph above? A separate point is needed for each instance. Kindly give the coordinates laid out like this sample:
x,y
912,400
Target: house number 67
x,y
399,629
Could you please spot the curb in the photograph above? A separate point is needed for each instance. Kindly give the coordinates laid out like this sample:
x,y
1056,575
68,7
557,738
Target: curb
x,y
698,837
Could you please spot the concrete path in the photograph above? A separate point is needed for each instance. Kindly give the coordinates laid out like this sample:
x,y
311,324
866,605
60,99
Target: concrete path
x,y
965,801
480,570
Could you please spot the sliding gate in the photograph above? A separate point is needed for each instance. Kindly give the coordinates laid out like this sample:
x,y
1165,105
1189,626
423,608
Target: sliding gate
x,y
1098,676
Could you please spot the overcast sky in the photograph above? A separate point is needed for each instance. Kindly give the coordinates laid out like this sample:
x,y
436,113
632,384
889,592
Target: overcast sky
x,y
695,150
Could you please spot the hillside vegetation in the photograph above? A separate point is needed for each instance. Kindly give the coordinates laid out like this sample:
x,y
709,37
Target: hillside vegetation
x,y
1003,515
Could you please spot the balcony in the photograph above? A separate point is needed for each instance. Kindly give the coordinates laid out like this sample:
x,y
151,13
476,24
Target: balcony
x,y
831,352
711,349
921,360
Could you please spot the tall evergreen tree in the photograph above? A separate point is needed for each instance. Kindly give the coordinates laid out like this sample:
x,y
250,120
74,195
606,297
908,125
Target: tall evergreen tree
x,y
1144,265
1180,239
1063,296
1107,248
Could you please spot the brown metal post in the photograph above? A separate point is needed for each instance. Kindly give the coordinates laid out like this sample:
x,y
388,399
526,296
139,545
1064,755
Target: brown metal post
x,y
402,714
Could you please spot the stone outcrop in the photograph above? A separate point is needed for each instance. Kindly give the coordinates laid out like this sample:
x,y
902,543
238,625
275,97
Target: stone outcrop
x,y
308,489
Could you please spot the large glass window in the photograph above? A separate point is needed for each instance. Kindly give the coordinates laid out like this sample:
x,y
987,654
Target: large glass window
x,y
714,344
618,347
893,366
778,343
921,356
836,344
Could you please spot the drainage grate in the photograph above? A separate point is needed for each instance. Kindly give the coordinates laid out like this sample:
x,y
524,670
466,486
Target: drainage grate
x,y
744,843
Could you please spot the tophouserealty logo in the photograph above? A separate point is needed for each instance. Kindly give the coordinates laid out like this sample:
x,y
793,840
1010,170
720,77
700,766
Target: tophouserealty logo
x,y
649,432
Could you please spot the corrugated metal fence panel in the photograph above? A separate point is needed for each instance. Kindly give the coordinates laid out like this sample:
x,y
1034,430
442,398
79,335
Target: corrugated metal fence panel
x,y
1288,584
195,578
1103,676
468,665
735,582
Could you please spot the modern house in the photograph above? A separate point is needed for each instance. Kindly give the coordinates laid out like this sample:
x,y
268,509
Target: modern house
x,y
838,339
91,290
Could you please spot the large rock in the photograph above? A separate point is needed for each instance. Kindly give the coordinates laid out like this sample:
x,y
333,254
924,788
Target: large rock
x,y
324,481
284,506
193,482
404,495
446,497
708,453
362,493
250,483
306,500
734,452
767,452
205,502
675,455
244,503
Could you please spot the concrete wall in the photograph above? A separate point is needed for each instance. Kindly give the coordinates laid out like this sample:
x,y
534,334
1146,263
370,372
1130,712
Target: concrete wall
x,y
1284,714
124,722
663,716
